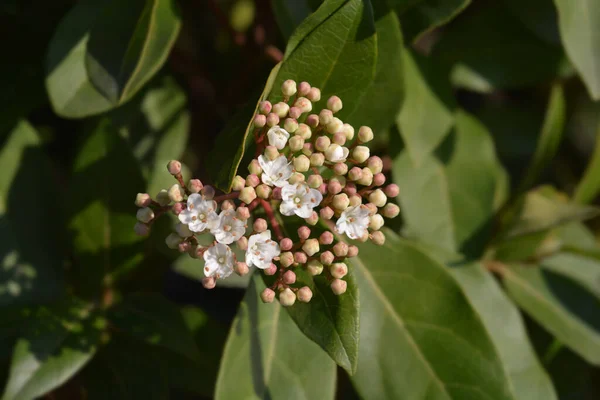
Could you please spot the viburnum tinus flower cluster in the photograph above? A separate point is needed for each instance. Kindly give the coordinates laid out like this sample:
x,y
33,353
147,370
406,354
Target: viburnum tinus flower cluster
x,y
309,167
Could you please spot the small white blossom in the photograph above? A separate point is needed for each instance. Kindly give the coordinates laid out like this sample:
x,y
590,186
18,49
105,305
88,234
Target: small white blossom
x,y
276,172
278,137
299,199
261,250
336,153
229,227
354,221
218,261
200,214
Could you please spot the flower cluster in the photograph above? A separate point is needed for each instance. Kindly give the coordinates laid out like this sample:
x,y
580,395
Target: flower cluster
x,y
308,166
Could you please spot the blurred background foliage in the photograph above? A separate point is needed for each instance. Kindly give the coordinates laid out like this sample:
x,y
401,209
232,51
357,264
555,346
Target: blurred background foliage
x,y
486,114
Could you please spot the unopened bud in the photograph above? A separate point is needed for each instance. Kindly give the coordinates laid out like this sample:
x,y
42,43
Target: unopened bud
x,y
247,195
340,168
296,177
340,201
350,189
145,215
390,210
296,143
361,154
313,219
163,198
277,193
183,230
326,238
301,163
378,238
141,229
195,185
267,295
314,94
265,107
378,198
303,104
367,177
175,193
327,257
238,183
242,243
338,287
340,249
348,131
184,247
173,241
303,131
338,270
290,125
260,120
209,282
352,251
375,164
287,298
271,270
295,112
323,189
335,125
242,213
376,222
378,179
143,200
304,294
307,149
326,213
286,244
289,278
325,117
322,143
334,187
312,120
208,192
372,208
288,88
300,257
254,167
339,138
286,259
263,191
303,88
334,103
392,190
260,225
311,247
227,205
355,174
317,159
241,268
314,181
272,120
314,267
355,200
271,152
174,167
365,134
304,232
281,110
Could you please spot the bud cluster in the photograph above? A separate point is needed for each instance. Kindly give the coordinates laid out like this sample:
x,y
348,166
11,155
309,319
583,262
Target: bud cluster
x,y
308,165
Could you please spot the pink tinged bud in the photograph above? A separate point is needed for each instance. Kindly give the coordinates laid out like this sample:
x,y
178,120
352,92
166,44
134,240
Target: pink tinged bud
x,y
260,225
392,190
367,177
227,205
288,88
317,159
390,210
338,270
348,131
286,244
307,149
200,251
303,88
300,257
378,198
163,198
272,119
296,143
184,247
375,164
340,168
350,188
303,131
372,208
352,251
296,178
145,215
314,94
376,222
303,104
301,163
277,193
260,120
338,287
247,195
355,174
173,241
175,193
304,232
286,259
304,294
340,249
271,270
209,282
267,296
365,134
314,267
323,188
238,183
379,179
287,298
325,117
334,187
339,138
313,219
195,185
334,103
355,200
322,143
378,238
242,213
364,238
314,181
327,257
290,125
335,125
141,229
183,230
254,167
263,191
289,278
241,268
242,243
295,112
312,120
208,192
143,200
174,167
326,238
361,154
340,201
271,152
281,109
326,213
265,107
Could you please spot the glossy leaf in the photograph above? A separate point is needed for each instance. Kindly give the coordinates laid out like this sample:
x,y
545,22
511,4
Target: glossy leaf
x,y
155,320
579,268
344,31
266,356
589,186
59,340
411,306
527,378
428,112
426,15
127,45
464,185
29,273
578,31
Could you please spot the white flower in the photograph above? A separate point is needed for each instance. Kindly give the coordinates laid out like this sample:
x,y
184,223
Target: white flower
x,y
229,227
200,214
218,261
299,199
278,137
336,153
276,172
261,250
354,221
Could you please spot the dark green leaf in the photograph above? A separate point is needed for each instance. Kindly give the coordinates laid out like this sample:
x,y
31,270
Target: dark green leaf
x,y
31,258
289,14
578,31
589,187
539,16
266,356
429,14
155,320
420,337
59,341
583,270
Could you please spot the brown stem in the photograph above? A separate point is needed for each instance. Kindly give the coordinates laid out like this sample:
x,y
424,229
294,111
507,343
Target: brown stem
x,y
232,195
272,219
179,178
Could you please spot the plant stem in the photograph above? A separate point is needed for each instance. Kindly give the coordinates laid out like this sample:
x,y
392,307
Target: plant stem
x,y
272,219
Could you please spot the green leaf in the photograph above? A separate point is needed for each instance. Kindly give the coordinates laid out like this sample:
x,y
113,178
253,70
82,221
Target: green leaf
x,y
128,43
589,187
59,340
429,14
428,111
527,378
32,269
155,320
550,136
491,49
106,177
266,356
576,20
339,44
289,14
464,185
556,303
583,270
539,16
420,337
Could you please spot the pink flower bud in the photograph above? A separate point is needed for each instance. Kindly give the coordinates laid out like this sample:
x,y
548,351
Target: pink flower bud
x,y
378,238
184,247
326,238
307,149
272,120
227,205
376,222
277,193
267,296
260,120
340,168
289,278
317,159
286,259
378,198
263,191
322,143
338,270
145,215
301,163
260,225
339,138
303,104
375,164
340,201
271,152
378,179
327,257
174,167
340,249
312,120
286,244
314,267
367,177
390,210
372,208
296,143
326,213
352,251
208,192
209,282
200,251
338,287
300,257
361,154
348,131
314,94
265,107
334,187
175,193
141,229
287,298
313,219
271,270
355,174
392,190
334,103
336,125
314,181
254,167
303,88
242,213
242,243
288,88
295,112
303,131
350,188
304,232
323,188
296,178
365,134
247,195
143,200
290,125
281,109
304,294
238,183
241,268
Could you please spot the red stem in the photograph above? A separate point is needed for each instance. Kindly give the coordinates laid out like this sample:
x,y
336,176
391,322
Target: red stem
x,y
271,216
232,195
